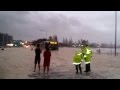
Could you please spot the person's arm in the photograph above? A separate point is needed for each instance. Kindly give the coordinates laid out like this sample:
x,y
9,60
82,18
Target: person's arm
x,y
40,50
35,50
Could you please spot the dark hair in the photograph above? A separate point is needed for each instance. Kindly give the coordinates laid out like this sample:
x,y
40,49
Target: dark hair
x,y
86,45
47,48
38,45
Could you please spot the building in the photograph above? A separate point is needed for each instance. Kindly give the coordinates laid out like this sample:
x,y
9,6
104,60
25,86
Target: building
x,y
5,39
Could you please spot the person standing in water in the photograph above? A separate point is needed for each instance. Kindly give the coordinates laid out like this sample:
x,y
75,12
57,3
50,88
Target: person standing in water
x,y
37,57
47,56
77,59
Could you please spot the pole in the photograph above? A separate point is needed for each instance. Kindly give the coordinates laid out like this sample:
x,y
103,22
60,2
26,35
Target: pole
x,y
3,41
115,32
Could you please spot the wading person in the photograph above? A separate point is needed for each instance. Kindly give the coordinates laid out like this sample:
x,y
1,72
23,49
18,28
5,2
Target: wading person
x,y
87,57
77,60
46,64
37,57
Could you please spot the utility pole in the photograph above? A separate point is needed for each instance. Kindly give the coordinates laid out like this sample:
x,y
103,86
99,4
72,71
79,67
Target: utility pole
x,y
115,32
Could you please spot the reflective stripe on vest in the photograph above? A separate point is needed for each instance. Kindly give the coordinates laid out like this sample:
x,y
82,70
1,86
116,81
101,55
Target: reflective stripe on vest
x,y
87,62
77,63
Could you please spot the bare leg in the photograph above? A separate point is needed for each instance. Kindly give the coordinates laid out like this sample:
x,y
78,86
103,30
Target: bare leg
x,y
44,70
47,70
39,67
34,68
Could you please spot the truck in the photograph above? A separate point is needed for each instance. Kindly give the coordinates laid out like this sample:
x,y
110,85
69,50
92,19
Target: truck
x,y
53,45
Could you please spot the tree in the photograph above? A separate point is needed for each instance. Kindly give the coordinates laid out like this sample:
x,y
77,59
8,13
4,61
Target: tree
x,y
104,45
66,42
79,42
50,38
70,42
94,45
84,42
55,38
63,40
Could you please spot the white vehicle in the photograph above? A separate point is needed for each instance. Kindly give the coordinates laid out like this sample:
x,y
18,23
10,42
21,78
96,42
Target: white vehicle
x,y
10,45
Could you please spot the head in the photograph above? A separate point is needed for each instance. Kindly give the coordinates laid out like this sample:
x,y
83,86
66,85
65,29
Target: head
x,y
86,45
47,48
38,45
82,46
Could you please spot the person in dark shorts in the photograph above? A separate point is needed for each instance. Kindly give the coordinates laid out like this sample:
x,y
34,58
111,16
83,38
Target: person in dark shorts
x,y
46,55
37,57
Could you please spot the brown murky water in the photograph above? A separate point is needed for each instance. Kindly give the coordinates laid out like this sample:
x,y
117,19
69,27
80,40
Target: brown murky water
x,y
17,63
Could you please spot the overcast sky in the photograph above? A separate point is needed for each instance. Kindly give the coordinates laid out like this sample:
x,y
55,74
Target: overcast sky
x,y
96,26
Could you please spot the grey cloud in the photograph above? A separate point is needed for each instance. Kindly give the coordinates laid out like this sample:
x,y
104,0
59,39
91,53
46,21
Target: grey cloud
x,y
94,26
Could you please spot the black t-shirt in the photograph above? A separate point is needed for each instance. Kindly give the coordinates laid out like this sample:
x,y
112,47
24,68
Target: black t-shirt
x,y
37,52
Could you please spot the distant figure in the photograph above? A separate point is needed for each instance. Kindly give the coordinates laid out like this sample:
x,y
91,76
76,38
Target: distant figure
x,y
2,48
46,55
37,57
99,51
31,48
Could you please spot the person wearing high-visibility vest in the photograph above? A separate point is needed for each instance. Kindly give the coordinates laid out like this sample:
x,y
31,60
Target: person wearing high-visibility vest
x,y
77,59
87,57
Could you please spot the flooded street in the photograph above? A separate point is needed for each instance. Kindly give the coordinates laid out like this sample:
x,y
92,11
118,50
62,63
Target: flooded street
x,y
17,63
